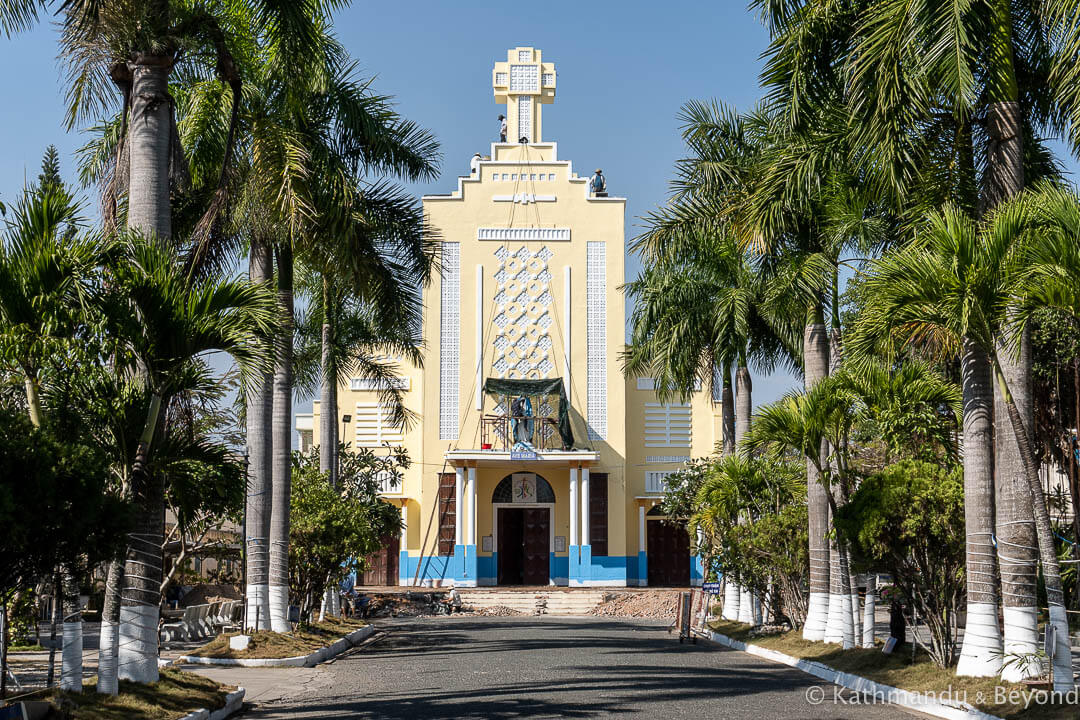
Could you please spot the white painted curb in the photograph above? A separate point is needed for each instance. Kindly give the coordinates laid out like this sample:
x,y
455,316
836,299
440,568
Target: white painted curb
x,y
320,655
904,698
233,701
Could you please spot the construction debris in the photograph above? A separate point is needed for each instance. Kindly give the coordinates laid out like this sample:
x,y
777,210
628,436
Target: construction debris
x,y
655,604
497,611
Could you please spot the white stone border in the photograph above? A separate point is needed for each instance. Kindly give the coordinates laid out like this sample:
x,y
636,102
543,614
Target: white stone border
x,y
896,696
233,701
322,654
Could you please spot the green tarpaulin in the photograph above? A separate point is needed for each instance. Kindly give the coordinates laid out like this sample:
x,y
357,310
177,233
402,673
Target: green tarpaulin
x,y
532,388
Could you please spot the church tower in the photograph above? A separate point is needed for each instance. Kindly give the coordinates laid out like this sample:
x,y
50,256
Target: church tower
x,y
534,460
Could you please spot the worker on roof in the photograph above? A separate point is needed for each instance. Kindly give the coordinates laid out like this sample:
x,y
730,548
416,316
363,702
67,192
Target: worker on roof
x,y
502,128
598,184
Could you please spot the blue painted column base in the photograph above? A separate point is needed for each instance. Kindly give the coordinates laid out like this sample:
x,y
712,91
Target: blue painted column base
x,y
643,568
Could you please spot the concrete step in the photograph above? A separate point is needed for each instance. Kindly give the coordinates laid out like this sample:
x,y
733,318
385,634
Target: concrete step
x,y
542,602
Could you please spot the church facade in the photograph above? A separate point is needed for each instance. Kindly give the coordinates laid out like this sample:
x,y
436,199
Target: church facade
x,y
535,461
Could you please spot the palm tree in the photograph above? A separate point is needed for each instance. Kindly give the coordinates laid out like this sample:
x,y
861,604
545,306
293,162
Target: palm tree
x,y
945,291
817,424
309,140
167,319
46,271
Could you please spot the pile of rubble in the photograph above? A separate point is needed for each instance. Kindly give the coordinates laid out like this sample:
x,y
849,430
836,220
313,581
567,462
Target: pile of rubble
x,y
653,604
497,611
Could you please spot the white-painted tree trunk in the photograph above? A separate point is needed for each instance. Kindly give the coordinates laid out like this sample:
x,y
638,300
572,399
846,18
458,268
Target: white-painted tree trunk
x,y
732,595
746,607
1062,660
71,656
1021,640
281,429
259,492
982,647
109,636
869,609
816,360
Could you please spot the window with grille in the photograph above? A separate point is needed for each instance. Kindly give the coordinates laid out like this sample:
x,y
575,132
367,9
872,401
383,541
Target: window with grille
x,y
524,119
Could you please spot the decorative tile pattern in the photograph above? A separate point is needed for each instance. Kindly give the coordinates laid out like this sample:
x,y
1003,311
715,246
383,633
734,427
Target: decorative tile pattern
x,y
450,341
522,345
596,341
524,55
525,117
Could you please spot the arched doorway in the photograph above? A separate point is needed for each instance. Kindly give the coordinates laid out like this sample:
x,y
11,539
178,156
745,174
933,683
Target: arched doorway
x,y
667,547
523,505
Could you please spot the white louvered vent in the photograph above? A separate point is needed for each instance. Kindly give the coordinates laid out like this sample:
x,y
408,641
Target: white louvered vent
x,y
667,425
375,427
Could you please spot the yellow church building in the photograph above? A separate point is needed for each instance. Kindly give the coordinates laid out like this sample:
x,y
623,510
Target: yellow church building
x,y
535,461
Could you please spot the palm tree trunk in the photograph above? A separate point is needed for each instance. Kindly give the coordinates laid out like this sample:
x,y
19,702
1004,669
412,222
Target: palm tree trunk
x,y
727,415
1016,532
840,621
816,359
982,648
1055,596
328,411
281,431
149,142
149,146
744,388
71,664
259,446
57,619
733,593
108,641
139,608
869,610
1017,536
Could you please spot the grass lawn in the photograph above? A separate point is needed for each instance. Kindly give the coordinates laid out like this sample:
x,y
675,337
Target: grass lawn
x,y
265,644
899,671
176,694
32,647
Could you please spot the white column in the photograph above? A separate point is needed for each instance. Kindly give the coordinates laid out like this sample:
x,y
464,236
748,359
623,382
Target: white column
x,y
567,309
458,497
573,506
585,507
641,528
479,337
471,523
404,525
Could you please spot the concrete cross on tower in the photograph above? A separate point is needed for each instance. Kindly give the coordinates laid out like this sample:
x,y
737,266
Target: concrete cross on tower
x,y
523,83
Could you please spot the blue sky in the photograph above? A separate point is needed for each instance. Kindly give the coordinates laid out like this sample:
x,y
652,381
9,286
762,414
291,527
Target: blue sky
x,y
624,70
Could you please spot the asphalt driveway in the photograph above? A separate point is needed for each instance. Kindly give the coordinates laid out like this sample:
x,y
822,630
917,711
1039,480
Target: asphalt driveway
x,y
547,667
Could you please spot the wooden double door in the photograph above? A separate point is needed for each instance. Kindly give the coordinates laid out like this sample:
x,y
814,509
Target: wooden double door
x,y
383,565
523,546
668,552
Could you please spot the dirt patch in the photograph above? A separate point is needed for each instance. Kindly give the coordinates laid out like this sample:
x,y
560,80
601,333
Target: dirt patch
x,y
266,645
654,604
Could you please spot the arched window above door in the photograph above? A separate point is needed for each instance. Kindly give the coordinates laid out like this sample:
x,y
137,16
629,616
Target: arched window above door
x,y
504,491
